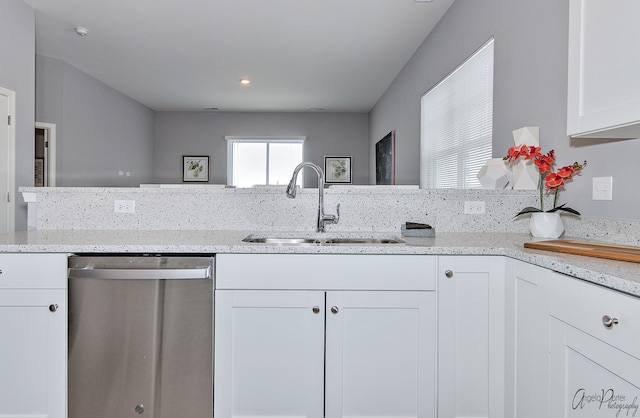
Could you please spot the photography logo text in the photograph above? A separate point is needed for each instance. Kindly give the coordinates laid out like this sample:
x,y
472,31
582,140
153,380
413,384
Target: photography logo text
x,y
606,400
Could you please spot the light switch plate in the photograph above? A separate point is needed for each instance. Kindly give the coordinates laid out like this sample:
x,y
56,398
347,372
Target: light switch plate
x,y
602,188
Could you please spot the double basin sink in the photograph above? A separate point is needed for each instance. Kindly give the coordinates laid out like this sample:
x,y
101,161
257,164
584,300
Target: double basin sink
x,y
322,240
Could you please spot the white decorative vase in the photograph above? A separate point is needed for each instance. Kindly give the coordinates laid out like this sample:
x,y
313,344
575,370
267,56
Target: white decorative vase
x,y
525,175
546,225
495,174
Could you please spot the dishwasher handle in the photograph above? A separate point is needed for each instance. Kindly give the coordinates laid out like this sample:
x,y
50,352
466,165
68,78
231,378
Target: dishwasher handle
x,y
140,274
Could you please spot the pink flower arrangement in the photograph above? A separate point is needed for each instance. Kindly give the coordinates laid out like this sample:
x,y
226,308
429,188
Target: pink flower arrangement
x,y
553,181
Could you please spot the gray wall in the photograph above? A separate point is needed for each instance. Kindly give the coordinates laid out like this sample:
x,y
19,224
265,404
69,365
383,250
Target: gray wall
x,y
17,73
203,133
99,131
530,86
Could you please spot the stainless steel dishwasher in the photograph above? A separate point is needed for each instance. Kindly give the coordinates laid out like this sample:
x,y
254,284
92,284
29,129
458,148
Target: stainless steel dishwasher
x,y
140,337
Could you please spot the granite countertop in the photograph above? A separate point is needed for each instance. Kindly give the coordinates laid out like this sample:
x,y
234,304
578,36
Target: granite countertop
x,y
618,275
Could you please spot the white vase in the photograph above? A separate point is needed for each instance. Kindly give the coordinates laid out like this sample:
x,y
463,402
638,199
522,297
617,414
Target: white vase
x,y
546,225
525,175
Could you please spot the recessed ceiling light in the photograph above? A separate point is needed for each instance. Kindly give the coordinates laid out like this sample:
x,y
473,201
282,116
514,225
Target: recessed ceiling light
x,y
245,81
81,31
316,109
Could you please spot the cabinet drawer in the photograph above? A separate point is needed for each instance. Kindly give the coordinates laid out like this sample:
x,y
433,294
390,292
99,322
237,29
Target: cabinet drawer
x,y
30,271
325,272
583,305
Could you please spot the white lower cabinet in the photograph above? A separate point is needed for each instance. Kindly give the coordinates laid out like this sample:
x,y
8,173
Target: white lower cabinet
x,y
269,353
365,336
594,354
471,335
33,329
528,345
325,353
380,353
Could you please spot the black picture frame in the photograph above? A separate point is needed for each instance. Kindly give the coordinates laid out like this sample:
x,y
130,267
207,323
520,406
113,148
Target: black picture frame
x,y
337,169
195,168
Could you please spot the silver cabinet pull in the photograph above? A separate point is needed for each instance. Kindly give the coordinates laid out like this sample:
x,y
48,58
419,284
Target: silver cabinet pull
x,y
609,322
448,273
334,309
53,307
316,309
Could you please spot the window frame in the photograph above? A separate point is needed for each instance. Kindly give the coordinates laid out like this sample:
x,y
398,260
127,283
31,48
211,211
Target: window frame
x,y
231,140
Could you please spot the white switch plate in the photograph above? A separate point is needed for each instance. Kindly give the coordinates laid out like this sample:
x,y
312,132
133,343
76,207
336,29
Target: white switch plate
x,y
474,207
602,188
124,206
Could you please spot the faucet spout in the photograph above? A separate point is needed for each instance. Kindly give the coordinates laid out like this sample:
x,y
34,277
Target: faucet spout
x,y
291,193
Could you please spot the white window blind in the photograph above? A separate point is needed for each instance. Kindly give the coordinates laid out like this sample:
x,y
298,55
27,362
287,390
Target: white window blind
x,y
255,161
456,124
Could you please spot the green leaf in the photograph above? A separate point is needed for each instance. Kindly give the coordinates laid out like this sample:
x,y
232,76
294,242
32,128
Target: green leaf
x,y
562,207
528,209
575,212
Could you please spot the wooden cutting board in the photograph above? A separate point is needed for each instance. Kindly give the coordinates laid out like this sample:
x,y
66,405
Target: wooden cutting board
x,y
589,249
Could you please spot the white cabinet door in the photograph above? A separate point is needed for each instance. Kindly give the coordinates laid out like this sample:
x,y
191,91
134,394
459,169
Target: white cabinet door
x,y
603,83
269,354
33,353
590,378
528,347
380,359
33,335
471,336
594,348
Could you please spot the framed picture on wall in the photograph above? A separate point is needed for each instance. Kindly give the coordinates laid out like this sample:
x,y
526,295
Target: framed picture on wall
x,y
195,168
385,159
337,169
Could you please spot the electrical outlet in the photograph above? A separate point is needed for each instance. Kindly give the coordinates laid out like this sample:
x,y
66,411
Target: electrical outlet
x,y
124,206
602,188
474,207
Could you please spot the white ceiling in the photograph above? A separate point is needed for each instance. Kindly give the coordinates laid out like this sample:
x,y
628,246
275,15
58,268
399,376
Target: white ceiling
x,y
339,55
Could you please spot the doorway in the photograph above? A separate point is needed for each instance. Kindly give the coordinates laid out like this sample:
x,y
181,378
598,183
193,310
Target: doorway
x,y
45,155
7,160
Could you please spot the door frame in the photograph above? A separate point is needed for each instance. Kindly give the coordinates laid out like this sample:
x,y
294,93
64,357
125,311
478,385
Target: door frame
x,y
51,151
11,157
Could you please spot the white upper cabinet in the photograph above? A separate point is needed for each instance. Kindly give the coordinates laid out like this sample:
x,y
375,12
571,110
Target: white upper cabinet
x,y
604,64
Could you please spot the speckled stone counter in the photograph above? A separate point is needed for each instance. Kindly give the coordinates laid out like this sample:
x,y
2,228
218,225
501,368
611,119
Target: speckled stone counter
x,y
618,275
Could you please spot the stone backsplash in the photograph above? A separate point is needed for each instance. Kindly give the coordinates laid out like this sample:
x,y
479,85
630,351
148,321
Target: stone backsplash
x,y
362,208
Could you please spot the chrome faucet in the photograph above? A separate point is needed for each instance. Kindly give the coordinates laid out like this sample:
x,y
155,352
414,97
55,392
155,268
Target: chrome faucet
x,y
291,193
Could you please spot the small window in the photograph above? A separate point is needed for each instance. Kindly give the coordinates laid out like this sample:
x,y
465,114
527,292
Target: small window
x,y
457,124
259,161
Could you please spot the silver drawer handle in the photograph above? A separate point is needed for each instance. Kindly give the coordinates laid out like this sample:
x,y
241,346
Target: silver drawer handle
x,y
334,309
609,322
53,307
448,273
316,309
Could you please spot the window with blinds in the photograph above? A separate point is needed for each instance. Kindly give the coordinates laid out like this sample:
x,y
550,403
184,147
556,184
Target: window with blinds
x,y
456,124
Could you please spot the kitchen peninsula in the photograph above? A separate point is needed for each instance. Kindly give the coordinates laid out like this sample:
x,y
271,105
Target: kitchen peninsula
x,y
479,296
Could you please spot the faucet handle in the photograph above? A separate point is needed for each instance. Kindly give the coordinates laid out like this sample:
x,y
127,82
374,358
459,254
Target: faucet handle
x,y
336,218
